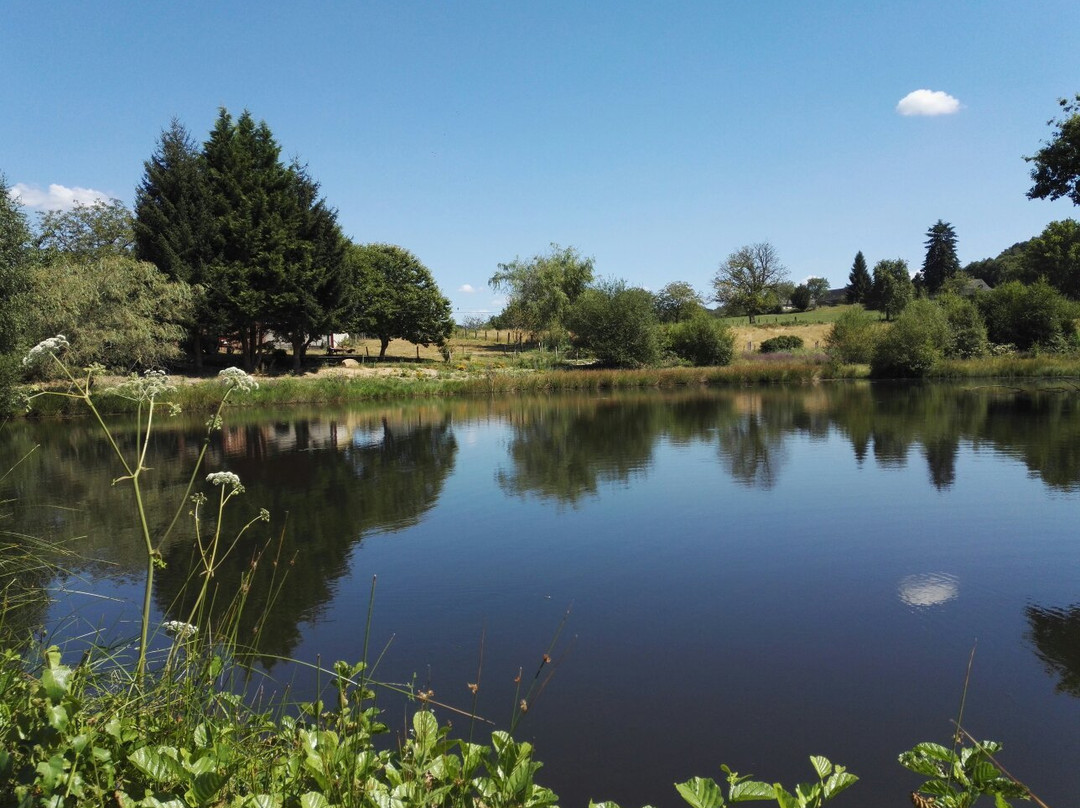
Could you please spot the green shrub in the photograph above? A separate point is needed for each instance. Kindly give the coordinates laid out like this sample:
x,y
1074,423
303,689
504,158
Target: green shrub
x,y
914,343
784,342
616,324
967,330
1028,316
702,341
852,337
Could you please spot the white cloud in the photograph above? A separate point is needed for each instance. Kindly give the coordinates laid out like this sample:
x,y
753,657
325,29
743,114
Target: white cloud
x,y
467,289
928,102
58,197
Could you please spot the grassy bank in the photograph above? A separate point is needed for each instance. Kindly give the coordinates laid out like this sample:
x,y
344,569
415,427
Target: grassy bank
x,y
334,386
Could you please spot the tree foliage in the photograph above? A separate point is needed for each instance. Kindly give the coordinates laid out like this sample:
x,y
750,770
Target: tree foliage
x,y
852,337
892,289
860,284
122,313
1028,316
616,323
15,251
312,296
912,345
250,201
1056,166
801,297
967,330
819,290
702,341
1054,255
397,297
941,262
677,301
87,232
1006,266
746,281
541,291
174,228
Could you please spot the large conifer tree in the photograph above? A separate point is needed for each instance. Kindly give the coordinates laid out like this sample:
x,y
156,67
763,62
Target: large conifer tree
x,y
312,298
941,262
250,199
173,224
860,284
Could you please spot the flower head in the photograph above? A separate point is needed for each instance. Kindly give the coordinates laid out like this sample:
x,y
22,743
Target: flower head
x,y
224,478
149,386
180,628
237,379
53,346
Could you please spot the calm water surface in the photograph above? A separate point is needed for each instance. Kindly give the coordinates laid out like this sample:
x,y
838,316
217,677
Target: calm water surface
x,y
752,576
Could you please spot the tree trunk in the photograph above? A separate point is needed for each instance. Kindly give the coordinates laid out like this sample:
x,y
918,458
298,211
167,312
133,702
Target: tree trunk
x,y
384,343
297,353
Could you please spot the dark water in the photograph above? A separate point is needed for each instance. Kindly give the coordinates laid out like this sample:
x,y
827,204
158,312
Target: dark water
x,y
753,576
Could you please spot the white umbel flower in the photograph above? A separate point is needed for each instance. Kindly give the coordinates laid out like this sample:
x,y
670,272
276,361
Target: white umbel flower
x,y
47,347
237,379
225,478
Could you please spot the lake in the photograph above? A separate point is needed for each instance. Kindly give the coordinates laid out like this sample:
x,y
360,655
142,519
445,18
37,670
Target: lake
x,y
742,576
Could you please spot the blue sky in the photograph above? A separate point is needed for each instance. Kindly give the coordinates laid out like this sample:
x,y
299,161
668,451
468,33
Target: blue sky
x,y
655,137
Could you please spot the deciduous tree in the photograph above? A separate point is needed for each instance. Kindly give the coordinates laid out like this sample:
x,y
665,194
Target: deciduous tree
x,y
397,297
540,291
1056,166
746,281
87,232
122,313
819,290
1055,256
677,301
892,289
15,247
617,324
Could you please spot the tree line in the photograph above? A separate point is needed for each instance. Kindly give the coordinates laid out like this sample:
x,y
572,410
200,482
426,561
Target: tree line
x,y
226,240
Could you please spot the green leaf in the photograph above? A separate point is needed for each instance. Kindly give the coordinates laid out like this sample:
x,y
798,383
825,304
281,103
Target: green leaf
x,y
746,790
56,682
821,765
160,768
425,731
605,804
206,785
313,799
701,792
57,717
783,798
839,781
935,751
984,771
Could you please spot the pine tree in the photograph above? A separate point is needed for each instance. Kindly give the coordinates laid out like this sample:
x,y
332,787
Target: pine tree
x,y
860,283
250,201
313,297
173,224
941,262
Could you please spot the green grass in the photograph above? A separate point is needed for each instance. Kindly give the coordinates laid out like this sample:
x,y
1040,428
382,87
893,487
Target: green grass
x,y
825,314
